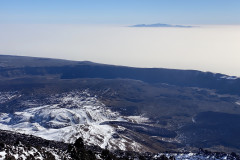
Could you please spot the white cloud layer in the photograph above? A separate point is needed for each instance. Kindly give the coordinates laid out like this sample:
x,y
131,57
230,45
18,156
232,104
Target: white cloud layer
x,y
206,48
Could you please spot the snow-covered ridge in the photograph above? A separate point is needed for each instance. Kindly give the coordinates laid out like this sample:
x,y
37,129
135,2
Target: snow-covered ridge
x,y
67,116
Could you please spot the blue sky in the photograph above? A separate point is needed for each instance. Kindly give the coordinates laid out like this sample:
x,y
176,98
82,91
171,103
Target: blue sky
x,y
120,11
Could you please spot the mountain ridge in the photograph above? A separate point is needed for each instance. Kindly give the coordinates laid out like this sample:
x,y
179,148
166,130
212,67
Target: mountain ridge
x,y
77,69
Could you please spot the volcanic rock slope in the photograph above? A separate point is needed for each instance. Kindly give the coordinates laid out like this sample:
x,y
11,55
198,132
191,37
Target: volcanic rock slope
x,y
23,147
120,108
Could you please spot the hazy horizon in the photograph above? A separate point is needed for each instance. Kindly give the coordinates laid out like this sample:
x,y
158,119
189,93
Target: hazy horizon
x,y
206,48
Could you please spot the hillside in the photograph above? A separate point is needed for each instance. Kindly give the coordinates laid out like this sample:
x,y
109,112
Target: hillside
x,y
120,108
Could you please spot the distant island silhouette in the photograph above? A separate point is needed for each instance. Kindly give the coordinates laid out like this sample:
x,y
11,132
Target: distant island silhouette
x,y
161,25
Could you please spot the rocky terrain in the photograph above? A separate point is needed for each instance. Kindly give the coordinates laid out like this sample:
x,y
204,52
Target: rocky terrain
x,y
21,146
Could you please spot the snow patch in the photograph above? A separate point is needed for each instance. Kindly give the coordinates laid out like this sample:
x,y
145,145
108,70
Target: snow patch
x,y
229,77
7,96
188,156
137,119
